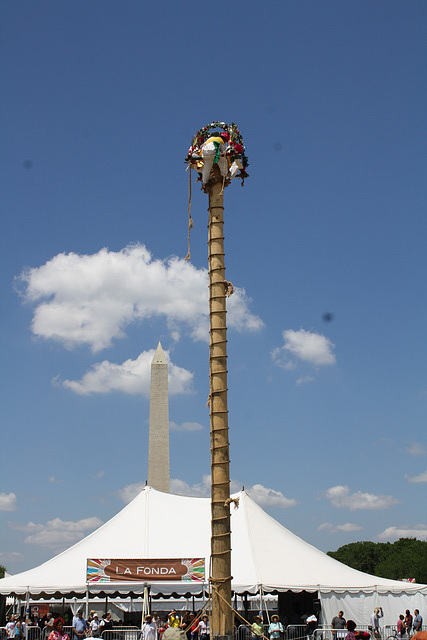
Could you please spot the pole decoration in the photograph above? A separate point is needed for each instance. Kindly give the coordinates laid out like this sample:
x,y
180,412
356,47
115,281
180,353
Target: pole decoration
x,y
224,147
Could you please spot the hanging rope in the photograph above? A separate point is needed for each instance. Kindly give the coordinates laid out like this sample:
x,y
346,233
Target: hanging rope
x,y
217,593
190,219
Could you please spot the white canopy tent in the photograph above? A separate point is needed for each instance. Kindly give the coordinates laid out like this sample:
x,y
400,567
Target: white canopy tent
x,y
266,557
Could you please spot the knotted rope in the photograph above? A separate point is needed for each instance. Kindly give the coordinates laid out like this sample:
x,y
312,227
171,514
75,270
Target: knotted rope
x,y
190,219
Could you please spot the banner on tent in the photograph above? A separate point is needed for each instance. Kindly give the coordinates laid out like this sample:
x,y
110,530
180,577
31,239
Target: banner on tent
x,y
137,570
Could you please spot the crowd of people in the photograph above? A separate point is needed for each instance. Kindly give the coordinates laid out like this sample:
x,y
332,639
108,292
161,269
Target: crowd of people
x,y
197,628
407,625
194,628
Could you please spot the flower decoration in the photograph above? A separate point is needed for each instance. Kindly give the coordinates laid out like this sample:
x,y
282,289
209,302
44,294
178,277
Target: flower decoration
x,y
235,146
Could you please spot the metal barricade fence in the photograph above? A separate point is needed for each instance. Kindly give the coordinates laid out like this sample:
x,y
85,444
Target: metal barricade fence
x,y
35,633
391,630
325,632
121,633
295,632
32,633
116,633
292,632
243,632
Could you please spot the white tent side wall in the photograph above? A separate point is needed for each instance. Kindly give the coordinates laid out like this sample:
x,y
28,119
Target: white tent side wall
x,y
360,606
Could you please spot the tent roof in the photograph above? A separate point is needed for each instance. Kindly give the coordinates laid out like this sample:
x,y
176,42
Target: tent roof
x,y
163,525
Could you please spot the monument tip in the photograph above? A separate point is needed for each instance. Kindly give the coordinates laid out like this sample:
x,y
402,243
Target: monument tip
x,y
159,355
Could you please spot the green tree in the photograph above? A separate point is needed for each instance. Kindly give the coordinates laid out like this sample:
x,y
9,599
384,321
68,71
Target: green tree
x,y
405,558
363,556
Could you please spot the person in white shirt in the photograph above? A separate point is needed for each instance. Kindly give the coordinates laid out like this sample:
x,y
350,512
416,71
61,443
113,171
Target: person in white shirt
x,y
375,620
94,626
11,627
149,629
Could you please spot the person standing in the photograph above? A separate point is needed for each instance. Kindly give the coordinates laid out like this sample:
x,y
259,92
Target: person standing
x,y
149,629
157,622
338,626
375,621
418,621
48,626
95,629
194,629
401,628
311,626
79,626
58,630
203,629
11,627
257,628
173,619
275,629
350,626
408,622
106,624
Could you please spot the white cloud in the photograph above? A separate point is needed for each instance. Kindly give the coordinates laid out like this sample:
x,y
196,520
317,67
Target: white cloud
x,y
200,489
7,502
57,534
12,556
416,449
130,491
269,497
394,533
314,348
348,527
133,376
340,497
422,477
263,496
91,299
305,379
177,486
185,426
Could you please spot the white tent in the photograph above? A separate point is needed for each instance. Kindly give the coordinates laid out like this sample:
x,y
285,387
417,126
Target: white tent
x,y
265,557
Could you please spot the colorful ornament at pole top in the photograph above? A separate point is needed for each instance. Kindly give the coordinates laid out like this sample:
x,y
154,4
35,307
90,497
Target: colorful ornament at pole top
x,y
224,147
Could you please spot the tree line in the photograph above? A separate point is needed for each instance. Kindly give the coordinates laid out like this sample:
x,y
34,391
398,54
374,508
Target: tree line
x,y
403,559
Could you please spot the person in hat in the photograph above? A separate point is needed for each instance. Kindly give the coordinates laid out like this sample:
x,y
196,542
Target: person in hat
x,y
214,151
95,630
257,628
275,629
58,630
311,625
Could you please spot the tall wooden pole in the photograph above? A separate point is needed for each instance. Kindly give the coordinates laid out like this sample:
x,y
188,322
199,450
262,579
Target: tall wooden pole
x,y
221,623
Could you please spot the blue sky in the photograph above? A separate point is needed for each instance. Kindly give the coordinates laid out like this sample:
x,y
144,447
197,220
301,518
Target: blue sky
x,y
325,245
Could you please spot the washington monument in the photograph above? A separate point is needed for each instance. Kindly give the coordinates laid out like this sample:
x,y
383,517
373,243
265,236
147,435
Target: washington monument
x,y
158,443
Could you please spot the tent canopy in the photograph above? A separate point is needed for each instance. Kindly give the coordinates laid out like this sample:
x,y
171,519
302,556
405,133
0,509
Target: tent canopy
x,y
265,555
